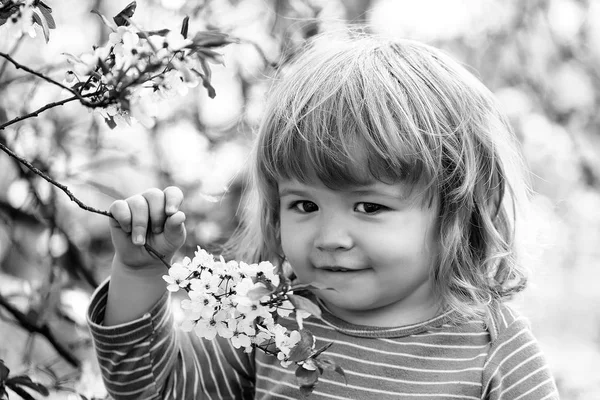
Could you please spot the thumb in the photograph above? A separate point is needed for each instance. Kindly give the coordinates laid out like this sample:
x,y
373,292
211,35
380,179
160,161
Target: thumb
x,y
175,228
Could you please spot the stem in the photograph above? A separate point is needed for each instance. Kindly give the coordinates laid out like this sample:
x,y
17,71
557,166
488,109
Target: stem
x,y
25,78
265,350
40,75
41,110
155,253
52,181
65,189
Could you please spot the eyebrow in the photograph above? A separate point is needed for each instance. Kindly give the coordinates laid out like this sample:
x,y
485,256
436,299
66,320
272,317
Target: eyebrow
x,y
356,192
291,192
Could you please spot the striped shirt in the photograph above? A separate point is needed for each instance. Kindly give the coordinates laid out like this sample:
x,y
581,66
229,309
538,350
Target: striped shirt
x,y
495,359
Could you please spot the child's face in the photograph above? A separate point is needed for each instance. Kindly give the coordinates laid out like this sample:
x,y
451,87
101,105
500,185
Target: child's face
x,y
372,244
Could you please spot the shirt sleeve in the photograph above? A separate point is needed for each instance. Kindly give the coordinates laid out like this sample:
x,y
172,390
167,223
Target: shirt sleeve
x,y
516,367
149,359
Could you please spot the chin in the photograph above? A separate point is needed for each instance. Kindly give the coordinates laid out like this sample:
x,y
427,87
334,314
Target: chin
x,y
343,302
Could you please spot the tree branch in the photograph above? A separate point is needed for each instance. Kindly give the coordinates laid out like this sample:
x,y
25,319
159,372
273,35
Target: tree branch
x,y
42,109
27,77
44,77
65,189
44,330
52,181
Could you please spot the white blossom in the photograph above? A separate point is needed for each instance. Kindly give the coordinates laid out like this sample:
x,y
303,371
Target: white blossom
x,y
236,301
177,278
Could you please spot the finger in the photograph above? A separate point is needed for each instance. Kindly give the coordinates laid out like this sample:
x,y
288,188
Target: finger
x,y
121,213
175,228
139,218
156,209
173,199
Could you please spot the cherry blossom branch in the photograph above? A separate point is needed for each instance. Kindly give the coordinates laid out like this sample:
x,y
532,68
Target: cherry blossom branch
x,y
66,190
40,75
44,108
26,77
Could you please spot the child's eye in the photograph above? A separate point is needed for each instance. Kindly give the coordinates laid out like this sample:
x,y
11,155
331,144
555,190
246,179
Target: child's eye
x,y
369,208
304,206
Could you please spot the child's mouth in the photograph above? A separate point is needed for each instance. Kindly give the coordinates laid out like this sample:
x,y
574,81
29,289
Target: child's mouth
x,y
337,269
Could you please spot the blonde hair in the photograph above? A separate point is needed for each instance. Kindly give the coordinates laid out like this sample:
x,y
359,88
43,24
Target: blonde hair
x,y
363,108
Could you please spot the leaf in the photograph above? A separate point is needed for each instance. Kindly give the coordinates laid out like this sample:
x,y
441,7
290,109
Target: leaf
x,y
21,392
208,55
329,365
39,19
6,11
184,27
72,59
47,12
322,349
125,14
307,390
160,32
4,371
304,348
259,291
105,20
110,121
310,286
302,303
306,378
26,381
212,39
206,79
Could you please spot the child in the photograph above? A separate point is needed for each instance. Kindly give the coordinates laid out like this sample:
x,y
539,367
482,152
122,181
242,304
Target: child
x,y
383,170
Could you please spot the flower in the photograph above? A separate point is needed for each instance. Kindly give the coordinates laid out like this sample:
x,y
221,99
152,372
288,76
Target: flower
x,y
309,364
240,301
285,309
267,270
177,278
300,316
240,339
285,341
206,328
176,41
207,283
200,304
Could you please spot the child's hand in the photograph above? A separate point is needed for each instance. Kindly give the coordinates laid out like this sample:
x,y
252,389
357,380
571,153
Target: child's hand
x,y
152,217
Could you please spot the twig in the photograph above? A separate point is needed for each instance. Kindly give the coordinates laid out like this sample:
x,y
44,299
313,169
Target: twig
x,y
26,77
73,198
44,77
42,109
44,330
52,181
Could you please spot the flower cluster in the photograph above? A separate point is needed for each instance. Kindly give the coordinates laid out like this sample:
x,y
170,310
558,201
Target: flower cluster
x,y
134,70
242,302
237,301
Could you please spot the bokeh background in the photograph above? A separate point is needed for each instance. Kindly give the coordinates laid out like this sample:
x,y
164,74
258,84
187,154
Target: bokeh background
x,y
540,57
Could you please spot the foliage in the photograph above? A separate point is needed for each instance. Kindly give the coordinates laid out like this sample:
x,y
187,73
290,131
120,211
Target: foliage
x,y
18,384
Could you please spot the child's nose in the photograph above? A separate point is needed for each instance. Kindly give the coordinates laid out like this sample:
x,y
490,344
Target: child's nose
x,y
333,234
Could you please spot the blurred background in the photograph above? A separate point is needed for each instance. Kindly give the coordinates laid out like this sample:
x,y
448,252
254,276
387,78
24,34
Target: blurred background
x,y
540,57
